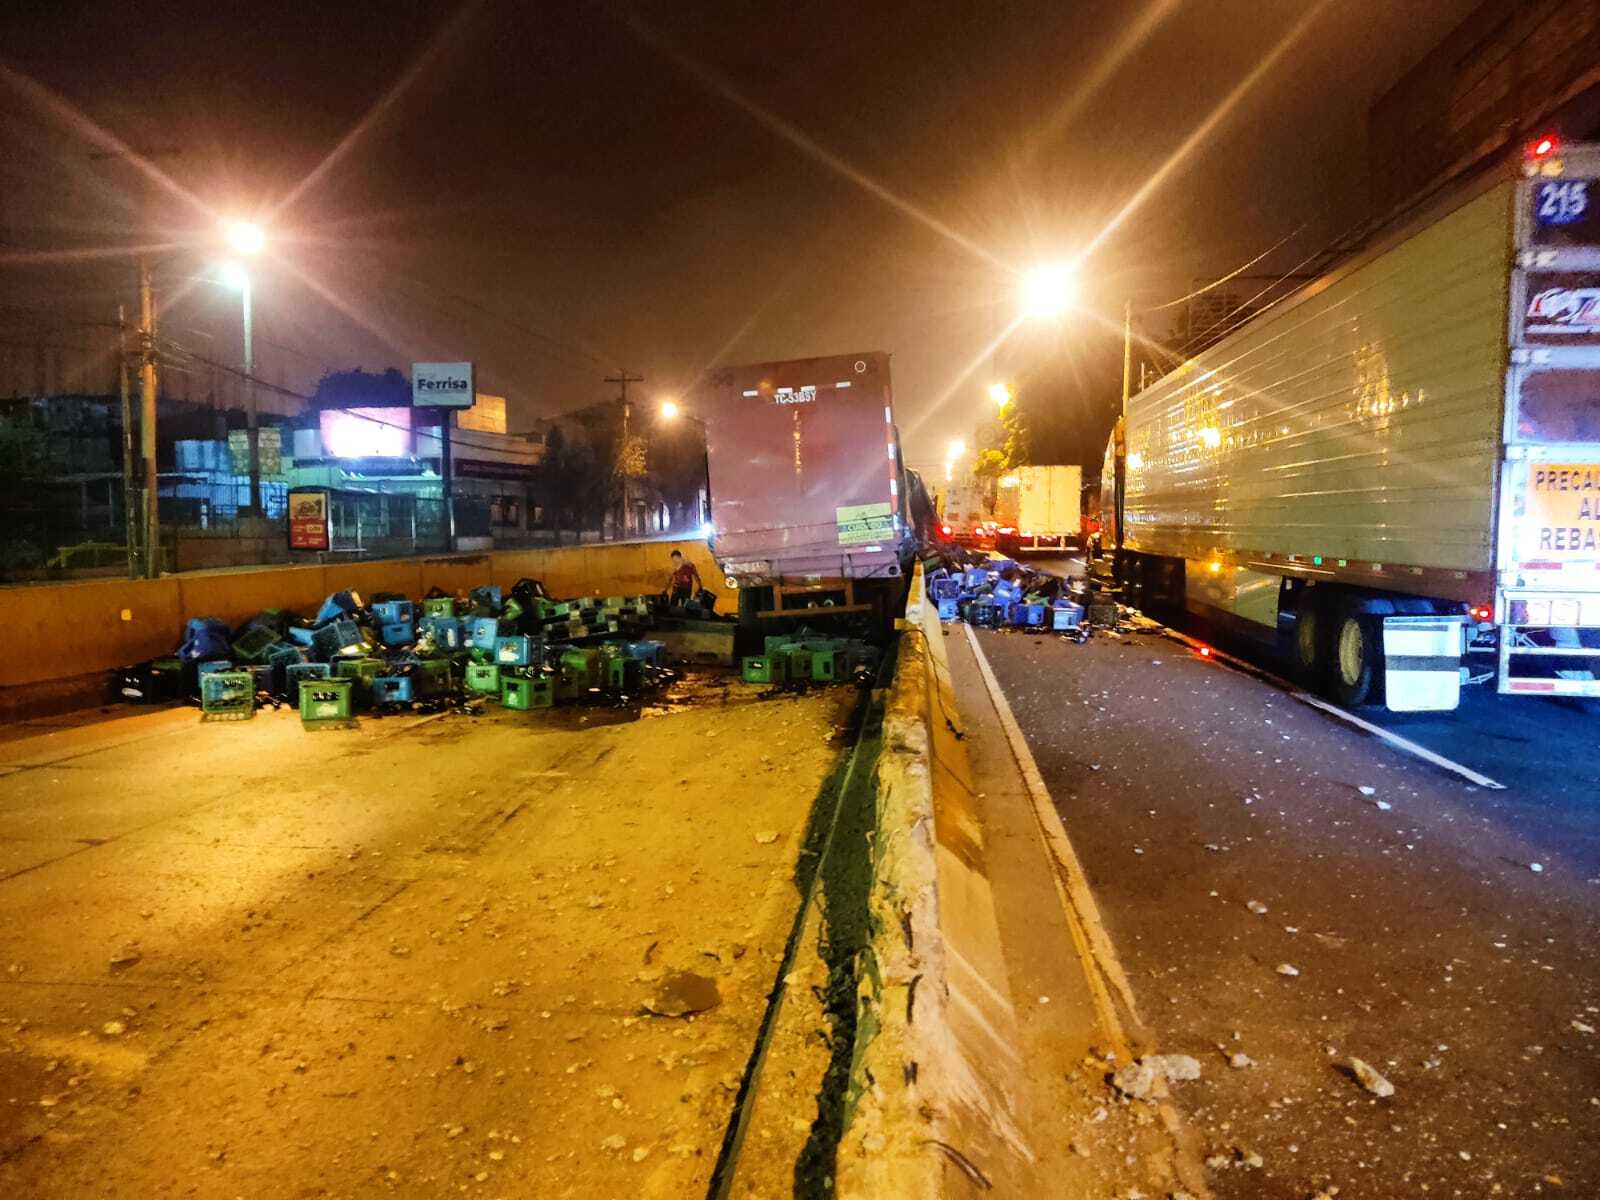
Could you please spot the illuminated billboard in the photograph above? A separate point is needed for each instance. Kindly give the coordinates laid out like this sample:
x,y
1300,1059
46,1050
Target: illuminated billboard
x,y
366,433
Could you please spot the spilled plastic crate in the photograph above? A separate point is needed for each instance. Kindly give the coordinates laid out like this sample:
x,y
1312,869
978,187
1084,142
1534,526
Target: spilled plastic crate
x,y
227,696
325,703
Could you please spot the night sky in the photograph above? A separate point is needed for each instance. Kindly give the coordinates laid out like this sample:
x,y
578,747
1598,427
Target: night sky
x,y
556,190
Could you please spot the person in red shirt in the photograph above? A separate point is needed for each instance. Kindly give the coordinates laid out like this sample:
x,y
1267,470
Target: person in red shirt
x,y
685,580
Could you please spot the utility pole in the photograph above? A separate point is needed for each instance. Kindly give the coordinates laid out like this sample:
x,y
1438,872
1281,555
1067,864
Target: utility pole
x,y
1127,353
252,414
622,379
147,422
130,505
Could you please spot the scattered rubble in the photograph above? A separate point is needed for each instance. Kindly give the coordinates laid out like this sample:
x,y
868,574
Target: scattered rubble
x,y
1288,969
682,994
1138,1079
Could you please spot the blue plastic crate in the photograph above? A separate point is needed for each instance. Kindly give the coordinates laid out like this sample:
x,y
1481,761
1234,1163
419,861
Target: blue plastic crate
x,y
945,588
1027,614
986,613
210,668
484,632
394,612
1006,592
397,634
647,651
447,632
227,695
975,577
515,650
949,608
392,689
1066,616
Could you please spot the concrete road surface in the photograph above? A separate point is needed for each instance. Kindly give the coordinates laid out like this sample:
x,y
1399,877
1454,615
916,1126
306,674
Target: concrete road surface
x,y
1281,886
420,958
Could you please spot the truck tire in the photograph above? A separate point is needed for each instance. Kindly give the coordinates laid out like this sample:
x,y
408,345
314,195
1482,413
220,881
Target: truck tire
x,y
1355,674
1311,638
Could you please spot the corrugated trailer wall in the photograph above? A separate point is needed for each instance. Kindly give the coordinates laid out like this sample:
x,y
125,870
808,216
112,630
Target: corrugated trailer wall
x,y
1360,420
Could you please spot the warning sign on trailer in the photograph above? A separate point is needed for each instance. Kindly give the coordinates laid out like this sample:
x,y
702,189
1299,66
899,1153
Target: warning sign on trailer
x,y
1563,512
863,523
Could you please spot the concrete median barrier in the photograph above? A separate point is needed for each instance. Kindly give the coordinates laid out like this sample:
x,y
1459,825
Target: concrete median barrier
x,y
927,1102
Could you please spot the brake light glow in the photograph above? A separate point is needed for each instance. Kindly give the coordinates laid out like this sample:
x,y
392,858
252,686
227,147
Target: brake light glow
x,y
945,529
1544,147
1481,612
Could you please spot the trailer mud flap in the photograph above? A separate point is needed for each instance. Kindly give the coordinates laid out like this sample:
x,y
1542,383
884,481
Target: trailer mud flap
x,y
1422,660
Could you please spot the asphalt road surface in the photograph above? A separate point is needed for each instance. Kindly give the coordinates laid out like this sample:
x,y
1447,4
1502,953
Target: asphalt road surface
x,y
519,955
1281,885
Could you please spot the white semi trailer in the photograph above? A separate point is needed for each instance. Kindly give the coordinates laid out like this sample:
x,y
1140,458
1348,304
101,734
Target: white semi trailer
x,y
1401,462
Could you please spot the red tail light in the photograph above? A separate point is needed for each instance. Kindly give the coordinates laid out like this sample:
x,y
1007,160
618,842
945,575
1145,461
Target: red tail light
x,y
1544,147
1481,612
945,529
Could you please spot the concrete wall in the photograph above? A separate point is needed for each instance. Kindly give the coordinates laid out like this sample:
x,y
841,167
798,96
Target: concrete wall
x,y
55,632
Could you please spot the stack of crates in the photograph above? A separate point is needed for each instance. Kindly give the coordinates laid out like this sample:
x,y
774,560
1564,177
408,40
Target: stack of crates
x,y
325,702
296,673
827,666
227,695
439,606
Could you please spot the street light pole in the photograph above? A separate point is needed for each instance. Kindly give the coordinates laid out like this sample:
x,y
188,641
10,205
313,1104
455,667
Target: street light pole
x,y
252,415
1127,354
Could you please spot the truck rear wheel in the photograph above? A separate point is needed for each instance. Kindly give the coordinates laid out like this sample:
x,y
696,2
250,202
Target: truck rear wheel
x,y
1310,638
1356,671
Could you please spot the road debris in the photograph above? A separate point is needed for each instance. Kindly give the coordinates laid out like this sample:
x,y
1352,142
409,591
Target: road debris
x,y
1138,1079
1288,969
1370,1079
682,994
1256,907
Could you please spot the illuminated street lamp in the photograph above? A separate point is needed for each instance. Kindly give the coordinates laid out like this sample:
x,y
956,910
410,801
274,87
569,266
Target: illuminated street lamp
x,y
670,410
957,448
1048,291
246,237
1000,393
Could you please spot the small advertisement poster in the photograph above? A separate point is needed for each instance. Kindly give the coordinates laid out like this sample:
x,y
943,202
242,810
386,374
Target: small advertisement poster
x,y
309,527
860,524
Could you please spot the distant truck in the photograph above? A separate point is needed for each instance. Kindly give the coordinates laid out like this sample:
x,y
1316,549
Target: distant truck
x,y
1401,462
808,491
1039,508
967,516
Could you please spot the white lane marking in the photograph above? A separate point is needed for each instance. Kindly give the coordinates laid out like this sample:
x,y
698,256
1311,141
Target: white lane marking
x,y
1100,962
1394,739
1333,710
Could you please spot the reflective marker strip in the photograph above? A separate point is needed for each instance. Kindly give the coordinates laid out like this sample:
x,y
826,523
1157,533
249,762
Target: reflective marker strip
x,y
753,392
1422,662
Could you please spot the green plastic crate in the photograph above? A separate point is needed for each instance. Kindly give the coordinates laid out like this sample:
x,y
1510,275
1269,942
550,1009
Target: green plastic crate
x,y
325,699
483,677
519,692
227,696
439,606
765,668
827,666
800,663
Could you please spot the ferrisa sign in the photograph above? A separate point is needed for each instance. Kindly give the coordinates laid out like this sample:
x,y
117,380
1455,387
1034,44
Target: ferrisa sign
x,y
441,385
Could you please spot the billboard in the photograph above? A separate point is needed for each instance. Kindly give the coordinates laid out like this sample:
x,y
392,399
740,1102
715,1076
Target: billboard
x,y
442,385
366,432
309,527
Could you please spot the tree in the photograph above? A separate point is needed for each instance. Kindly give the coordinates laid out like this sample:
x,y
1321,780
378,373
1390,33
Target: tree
x,y
27,464
362,389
